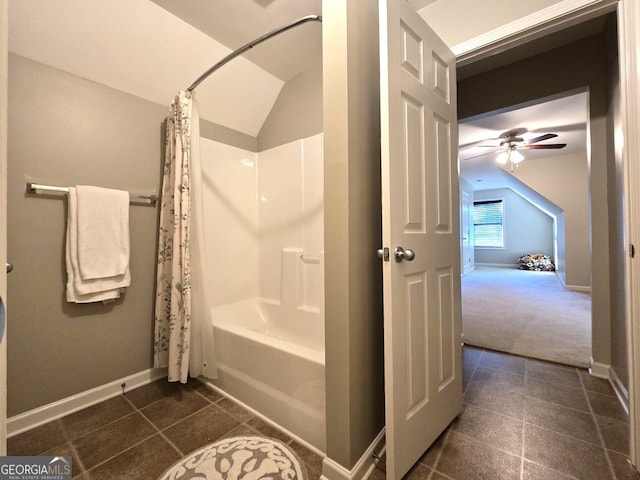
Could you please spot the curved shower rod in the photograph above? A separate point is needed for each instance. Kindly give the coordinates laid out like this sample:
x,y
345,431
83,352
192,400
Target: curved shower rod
x,y
253,43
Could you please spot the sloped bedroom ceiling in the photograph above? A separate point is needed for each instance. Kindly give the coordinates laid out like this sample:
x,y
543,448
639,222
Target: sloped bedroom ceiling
x,y
142,49
565,116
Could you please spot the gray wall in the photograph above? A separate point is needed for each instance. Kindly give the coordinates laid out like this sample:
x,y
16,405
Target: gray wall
x,y
527,229
213,131
564,180
297,112
353,231
577,65
64,130
617,251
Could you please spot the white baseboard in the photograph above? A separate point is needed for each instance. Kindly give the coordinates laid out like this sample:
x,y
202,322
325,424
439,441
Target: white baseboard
x,y
41,415
599,370
602,370
496,265
578,288
361,470
618,387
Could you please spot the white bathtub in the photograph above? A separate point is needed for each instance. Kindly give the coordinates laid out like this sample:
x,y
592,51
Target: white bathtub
x,y
272,359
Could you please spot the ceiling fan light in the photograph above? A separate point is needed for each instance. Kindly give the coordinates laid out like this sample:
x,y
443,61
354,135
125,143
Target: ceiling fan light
x,y
516,157
502,157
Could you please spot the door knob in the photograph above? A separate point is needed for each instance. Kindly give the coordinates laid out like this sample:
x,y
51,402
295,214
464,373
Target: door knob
x,y
402,254
9,267
383,254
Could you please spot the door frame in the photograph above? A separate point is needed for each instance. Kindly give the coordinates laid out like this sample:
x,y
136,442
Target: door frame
x,y
557,17
4,48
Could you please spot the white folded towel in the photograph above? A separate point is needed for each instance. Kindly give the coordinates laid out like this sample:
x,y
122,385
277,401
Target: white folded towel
x,y
97,247
103,232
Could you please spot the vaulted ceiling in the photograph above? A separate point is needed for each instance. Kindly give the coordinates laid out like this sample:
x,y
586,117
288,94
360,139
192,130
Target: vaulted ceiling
x,y
153,48
480,137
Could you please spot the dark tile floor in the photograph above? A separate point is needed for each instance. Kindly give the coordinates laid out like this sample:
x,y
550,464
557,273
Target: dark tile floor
x,y
530,420
522,420
140,434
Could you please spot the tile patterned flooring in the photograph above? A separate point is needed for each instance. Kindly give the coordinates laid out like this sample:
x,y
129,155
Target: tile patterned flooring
x,y
140,434
522,420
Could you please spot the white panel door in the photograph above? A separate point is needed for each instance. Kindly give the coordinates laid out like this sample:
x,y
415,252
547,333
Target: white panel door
x,y
422,313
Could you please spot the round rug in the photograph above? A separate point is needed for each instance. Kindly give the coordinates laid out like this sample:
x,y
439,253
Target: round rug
x,y
246,457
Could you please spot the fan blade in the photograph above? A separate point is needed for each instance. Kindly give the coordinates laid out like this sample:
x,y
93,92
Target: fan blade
x,y
475,144
476,156
547,146
541,138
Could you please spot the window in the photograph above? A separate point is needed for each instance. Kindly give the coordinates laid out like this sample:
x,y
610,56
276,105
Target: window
x,y
487,224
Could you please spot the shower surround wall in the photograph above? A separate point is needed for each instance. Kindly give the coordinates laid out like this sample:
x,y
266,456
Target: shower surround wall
x,y
264,214
264,232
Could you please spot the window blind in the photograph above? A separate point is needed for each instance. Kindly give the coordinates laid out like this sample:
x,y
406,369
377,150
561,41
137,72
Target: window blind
x,y
488,223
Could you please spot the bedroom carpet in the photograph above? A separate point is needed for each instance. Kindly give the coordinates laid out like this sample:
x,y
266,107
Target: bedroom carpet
x,y
526,313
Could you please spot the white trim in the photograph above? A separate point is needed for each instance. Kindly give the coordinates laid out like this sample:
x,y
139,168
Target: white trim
x,y
578,288
599,370
207,383
629,58
496,265
4,42
41,415
555,17
619,389
362,469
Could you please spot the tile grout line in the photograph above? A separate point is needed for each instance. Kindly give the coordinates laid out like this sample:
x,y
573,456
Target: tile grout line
x,y
136,410
434,469
83,470
162,435
595,421
547,429
209,404
524,420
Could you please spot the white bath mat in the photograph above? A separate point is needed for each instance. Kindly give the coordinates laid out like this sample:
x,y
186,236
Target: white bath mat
x,y
246,457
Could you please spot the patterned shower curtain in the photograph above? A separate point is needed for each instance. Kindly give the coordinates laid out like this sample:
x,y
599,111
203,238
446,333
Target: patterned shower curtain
x,y
182,342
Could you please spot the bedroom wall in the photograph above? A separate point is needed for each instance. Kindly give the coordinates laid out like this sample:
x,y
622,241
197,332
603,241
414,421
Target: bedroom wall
x,y
527,229
564,180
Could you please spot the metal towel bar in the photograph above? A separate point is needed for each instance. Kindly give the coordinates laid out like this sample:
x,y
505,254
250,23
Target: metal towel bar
x,y
36,188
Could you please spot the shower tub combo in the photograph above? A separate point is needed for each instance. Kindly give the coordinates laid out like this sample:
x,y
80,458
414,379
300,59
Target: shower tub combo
x,y
267,303
267,310
272,359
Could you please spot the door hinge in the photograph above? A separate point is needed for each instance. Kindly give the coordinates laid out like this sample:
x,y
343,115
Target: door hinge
x,y
632,250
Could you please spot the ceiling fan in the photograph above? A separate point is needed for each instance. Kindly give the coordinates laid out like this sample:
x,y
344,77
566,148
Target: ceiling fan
x,y
512,141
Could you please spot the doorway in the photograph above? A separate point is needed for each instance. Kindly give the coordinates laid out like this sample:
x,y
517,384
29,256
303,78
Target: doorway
x,y
533,215
611,118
